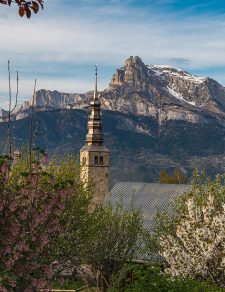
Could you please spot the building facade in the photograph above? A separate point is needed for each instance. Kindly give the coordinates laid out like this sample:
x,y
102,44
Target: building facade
x,y
94,156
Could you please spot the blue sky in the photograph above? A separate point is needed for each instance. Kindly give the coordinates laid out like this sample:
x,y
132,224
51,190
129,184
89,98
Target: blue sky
x,y
60,45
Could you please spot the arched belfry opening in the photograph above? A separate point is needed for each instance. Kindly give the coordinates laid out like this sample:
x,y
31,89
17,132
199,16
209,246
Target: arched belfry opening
x,y
96,160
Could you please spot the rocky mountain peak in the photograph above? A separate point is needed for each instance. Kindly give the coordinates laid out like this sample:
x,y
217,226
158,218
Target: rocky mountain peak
x,y
134,72
164,92
134,63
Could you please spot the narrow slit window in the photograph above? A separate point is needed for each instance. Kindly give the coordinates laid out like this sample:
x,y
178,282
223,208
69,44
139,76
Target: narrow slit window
x,y
101,160
84,160
96,160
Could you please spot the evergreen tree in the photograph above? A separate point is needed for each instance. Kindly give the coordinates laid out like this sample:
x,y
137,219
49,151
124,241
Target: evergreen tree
x,y
177,177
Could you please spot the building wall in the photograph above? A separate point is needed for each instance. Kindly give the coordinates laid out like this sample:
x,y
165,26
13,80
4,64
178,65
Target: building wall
x,y
95,173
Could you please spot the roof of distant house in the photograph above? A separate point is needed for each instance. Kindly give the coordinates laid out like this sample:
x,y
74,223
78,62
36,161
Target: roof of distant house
x,y
150,198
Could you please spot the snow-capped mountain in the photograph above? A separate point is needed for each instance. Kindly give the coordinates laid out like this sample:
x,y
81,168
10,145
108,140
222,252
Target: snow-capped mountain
x,y
164,92
158,91
155,117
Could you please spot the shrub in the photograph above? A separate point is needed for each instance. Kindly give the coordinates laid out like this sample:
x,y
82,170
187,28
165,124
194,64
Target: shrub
x,y
142,277
103,240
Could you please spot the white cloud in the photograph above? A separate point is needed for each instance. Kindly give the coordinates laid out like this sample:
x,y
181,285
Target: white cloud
x,y
80,41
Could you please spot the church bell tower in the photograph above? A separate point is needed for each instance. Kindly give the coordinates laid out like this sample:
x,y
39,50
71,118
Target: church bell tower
x,y
94,156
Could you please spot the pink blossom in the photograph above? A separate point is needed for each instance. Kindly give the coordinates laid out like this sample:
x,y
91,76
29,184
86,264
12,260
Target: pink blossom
x,y
45,160
12,283
41,284
30,213
61,281
49,272
15,228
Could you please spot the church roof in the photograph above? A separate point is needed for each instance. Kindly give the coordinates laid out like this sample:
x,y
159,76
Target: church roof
x,y
150,198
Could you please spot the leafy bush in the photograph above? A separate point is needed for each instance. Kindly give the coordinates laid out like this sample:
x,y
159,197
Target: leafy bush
x,y
141,278
177,177
102,239
70,284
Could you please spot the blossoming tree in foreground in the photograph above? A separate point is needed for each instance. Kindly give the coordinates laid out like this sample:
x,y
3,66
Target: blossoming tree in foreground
x,y
193,242
30,209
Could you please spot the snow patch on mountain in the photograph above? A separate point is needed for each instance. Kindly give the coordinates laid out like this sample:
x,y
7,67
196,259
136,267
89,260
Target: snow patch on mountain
x,y
168,70
179,96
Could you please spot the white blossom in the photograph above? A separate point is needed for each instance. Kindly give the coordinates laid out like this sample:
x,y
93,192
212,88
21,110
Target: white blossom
x,y
197,249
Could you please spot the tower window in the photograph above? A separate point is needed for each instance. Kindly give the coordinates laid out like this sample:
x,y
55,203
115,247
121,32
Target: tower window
x,y
84,160
96,160
101,160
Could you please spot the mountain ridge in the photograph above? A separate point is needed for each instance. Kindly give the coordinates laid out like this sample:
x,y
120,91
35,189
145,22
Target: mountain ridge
x,y
159,91
154,117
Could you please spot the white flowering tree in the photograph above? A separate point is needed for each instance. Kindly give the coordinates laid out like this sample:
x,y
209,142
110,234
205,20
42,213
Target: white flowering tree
x,y
192,240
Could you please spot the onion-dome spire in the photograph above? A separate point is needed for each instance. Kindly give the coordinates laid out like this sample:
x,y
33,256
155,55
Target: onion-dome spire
x,y
94,135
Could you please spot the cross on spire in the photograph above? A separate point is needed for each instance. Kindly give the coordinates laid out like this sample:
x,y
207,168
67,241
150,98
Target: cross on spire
x,y
96,83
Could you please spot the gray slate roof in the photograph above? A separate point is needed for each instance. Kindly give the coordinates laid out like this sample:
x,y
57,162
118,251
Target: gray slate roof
x,y
149,197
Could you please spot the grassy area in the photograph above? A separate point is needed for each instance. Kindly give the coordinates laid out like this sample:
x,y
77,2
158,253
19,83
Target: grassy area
x,y
70,284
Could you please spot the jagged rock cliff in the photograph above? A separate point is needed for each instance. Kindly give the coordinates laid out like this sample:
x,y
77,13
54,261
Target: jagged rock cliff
x,y
164,92
46,100
161,92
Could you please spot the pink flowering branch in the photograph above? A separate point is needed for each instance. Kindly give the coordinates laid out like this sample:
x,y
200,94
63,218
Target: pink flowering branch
x,y
30,210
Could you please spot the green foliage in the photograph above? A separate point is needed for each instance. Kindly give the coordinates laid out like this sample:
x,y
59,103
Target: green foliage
x,y
201,187
69,284
176,178
113,238
103,238
141,278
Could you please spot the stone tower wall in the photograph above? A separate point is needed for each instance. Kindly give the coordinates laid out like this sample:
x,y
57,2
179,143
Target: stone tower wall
x,y
95,175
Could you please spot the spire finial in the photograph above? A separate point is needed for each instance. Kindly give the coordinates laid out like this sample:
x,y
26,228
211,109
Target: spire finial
x,y
96,82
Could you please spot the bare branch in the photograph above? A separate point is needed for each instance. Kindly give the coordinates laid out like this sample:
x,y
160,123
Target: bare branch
x,y
17,91
9,112
31,125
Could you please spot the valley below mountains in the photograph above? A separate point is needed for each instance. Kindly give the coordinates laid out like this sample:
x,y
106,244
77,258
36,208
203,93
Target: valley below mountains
x,y
154,117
